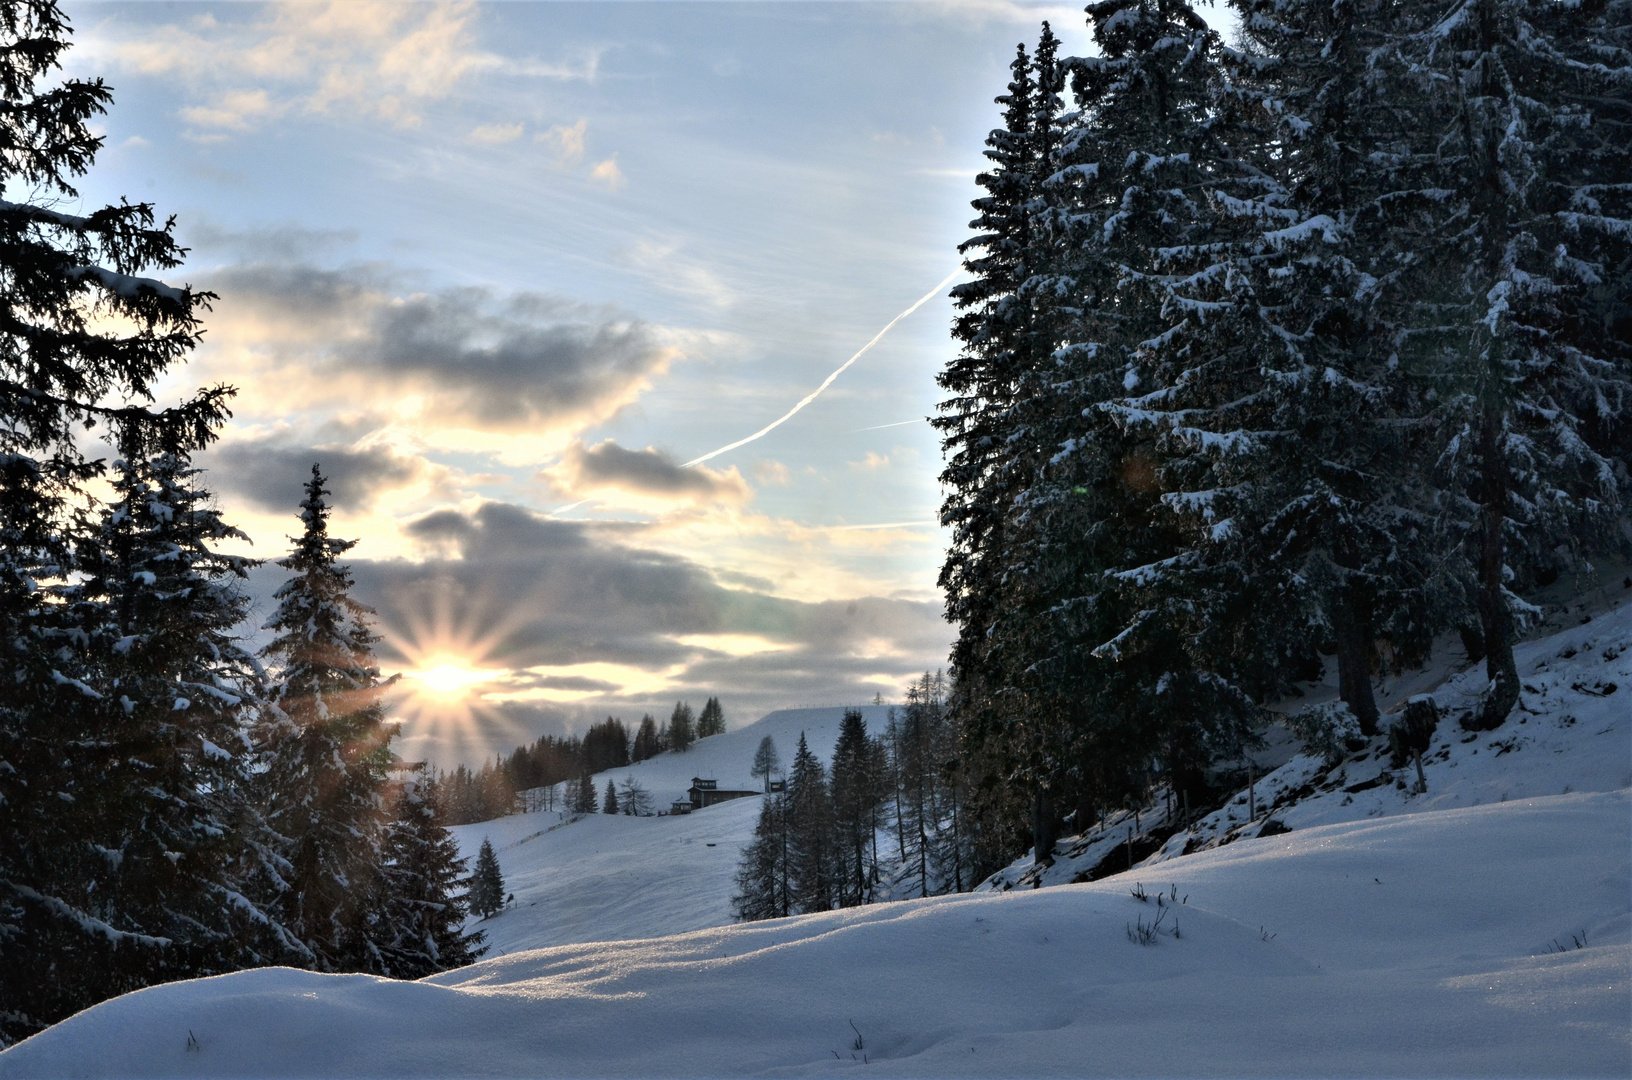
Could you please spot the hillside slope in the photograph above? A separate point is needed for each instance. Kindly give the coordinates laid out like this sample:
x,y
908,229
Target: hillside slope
x,y
1572,731
601,878
1422,944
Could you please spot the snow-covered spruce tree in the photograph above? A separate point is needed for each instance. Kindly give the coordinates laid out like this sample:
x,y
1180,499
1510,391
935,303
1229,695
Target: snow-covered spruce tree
x,y
609,804
328,747
180,691
82,342
423,875
486,894
998,437
1289,437
764,880
983,383
811,862
1525,130
1087,655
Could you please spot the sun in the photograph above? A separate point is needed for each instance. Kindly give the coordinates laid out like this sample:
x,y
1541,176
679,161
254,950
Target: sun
x,y
450,678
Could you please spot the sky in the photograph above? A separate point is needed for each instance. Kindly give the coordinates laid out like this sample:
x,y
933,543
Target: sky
x,y
505,269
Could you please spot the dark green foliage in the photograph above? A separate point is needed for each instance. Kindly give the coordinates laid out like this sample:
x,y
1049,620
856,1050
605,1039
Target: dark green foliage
x,y
486,895
584,797
85,910
859,792
645,743
419,928
812,865
764,887
606,746
329,748
682,729
711,721
609,805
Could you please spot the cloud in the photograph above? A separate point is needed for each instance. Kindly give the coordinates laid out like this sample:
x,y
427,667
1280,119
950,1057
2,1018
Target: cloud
x,y
567,143
665,265
575,593
270,475
771,473
458,357
608,173
872,462
345,58
587,469
495,134
285,242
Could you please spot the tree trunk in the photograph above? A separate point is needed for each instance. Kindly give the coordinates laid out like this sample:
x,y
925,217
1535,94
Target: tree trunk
x,y
1042,829
1496,620
1353,660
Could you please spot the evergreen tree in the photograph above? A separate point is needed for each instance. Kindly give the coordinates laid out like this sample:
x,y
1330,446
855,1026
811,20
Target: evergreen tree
x,y
682,728
764,884
645,742
419,930
856,795
711,721
486,896
766,761
584,803
329,747
994,327
1523,111
80,330
610,804
811,863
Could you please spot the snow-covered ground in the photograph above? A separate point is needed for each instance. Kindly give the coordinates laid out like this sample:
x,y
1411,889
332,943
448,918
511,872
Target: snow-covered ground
x,y
1421,944
604,878
1483,928
1571,731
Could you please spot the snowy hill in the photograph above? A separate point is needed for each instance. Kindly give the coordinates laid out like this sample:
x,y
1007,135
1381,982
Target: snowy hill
x,y
1415,944
1572,731
604,878
1483,928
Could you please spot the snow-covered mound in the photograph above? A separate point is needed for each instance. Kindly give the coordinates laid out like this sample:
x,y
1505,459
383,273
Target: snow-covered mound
x,y
1430,943
603,878
1571,731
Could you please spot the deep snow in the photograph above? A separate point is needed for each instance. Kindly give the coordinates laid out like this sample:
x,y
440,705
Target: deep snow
x,y
1411,945
1484,928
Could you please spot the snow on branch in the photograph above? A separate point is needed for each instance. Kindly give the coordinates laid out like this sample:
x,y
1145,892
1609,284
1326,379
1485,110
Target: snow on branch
x,y
128,286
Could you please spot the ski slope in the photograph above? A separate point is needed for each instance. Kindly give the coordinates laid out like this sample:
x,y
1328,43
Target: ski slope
x,y
606,878
1411,945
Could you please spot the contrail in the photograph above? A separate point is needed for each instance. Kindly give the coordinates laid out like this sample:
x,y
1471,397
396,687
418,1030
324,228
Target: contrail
x,y
808,398
881,427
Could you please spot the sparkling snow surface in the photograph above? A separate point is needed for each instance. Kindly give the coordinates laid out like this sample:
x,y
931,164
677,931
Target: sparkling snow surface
x,y
1386,935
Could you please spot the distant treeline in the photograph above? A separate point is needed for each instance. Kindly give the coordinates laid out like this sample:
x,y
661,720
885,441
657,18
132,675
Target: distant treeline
x,y
470,795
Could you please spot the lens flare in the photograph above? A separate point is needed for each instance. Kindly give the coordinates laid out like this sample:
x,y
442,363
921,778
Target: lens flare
x,y
450,677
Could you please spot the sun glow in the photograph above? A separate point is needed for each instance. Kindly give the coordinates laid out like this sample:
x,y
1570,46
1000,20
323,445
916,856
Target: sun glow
x,y
450,677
